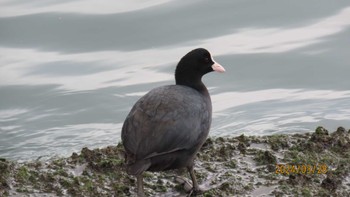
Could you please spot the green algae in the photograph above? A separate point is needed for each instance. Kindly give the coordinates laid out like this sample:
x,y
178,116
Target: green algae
x,y
226,166
278,142
265,157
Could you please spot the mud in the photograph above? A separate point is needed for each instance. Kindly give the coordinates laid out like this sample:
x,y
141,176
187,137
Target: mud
x,y
310,164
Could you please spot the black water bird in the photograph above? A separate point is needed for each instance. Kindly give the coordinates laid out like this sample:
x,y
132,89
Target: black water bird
x,y
166,127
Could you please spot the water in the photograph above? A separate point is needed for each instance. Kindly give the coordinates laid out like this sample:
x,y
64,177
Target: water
x,y
71,70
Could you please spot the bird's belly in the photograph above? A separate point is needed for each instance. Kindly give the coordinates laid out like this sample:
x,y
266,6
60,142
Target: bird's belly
x,y
174,160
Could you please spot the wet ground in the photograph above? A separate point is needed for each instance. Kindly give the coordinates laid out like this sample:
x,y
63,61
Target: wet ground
x,y
311,164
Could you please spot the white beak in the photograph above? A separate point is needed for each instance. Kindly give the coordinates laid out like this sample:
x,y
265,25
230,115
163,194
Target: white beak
x,y
218,68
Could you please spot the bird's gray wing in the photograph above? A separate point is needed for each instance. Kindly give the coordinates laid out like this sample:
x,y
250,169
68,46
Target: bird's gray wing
x,y
164,121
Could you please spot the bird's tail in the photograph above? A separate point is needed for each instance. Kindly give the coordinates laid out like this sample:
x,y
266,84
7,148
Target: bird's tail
x,y
138,167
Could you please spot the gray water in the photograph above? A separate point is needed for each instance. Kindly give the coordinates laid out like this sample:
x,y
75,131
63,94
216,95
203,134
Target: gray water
x,y
71,70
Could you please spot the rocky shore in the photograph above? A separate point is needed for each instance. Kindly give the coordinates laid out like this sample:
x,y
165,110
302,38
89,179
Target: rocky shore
x,y
311,164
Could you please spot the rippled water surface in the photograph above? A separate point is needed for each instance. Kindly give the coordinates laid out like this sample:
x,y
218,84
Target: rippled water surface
x,y
71,70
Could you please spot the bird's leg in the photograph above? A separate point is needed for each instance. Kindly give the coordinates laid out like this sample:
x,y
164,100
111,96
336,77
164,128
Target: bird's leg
x,y
140,192
195,186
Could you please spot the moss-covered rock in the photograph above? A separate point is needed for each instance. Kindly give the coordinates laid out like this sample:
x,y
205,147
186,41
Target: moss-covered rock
x,y
278,142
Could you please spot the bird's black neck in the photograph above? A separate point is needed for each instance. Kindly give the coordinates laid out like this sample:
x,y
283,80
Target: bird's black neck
x,y
194,82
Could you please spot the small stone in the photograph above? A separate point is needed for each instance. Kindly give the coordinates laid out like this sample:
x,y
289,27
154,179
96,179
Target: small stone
x,y
242,147
265,157
321,131
341,130
331,182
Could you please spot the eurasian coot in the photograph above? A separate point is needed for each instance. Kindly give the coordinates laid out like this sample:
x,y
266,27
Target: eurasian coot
x,y
166,127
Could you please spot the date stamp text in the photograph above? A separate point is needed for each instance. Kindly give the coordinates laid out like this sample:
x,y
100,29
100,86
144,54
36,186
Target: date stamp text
x,y
301,169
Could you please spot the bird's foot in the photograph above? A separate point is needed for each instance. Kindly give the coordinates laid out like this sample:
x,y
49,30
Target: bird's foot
x,y
195,191
187,186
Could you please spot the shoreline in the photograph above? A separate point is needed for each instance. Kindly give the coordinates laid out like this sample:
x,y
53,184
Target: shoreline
x,y
309,164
